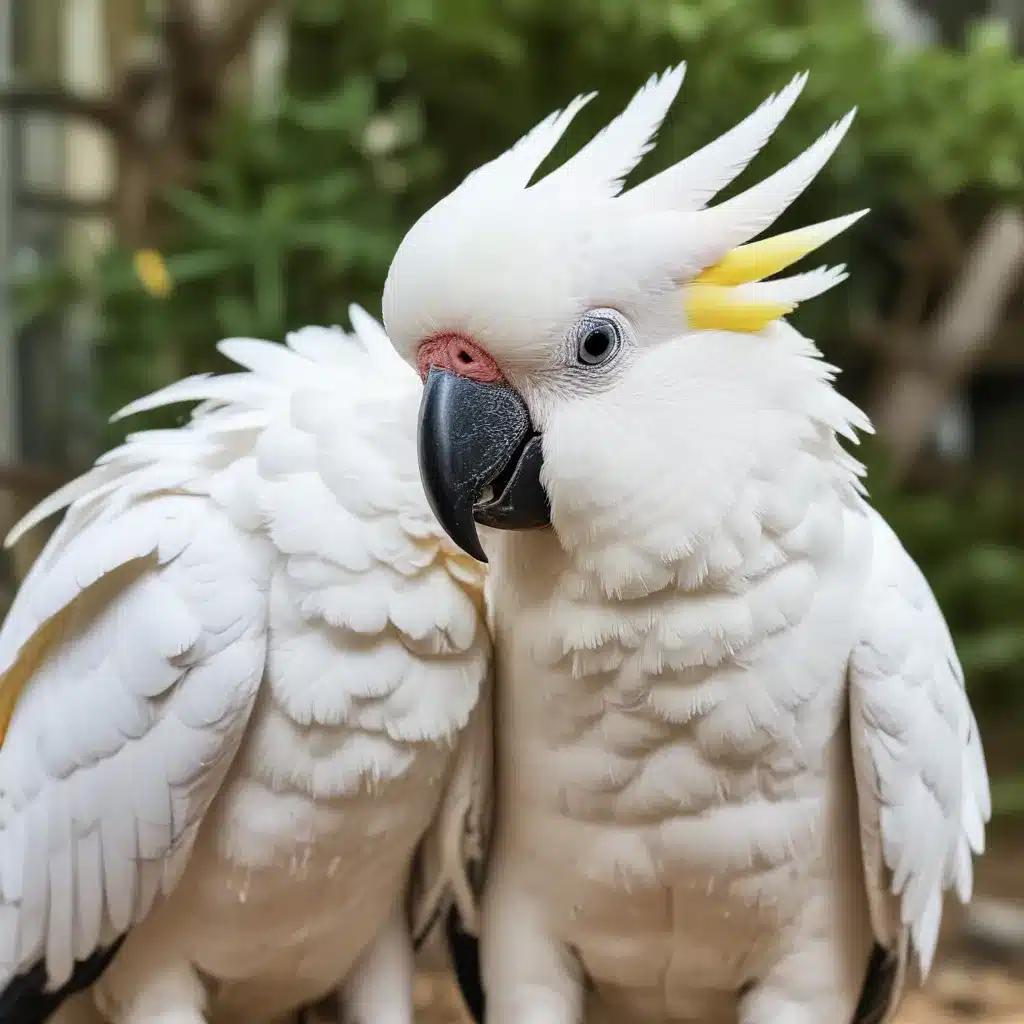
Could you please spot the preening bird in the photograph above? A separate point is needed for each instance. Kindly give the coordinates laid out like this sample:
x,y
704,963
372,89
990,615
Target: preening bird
x,y
736,766
244,685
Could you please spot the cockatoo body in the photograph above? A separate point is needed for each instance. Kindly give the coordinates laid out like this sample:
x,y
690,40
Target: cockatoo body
x,y
241,676
736,765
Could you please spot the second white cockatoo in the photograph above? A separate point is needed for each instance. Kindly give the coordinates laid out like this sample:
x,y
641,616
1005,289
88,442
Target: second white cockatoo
x,y
736,765
242,688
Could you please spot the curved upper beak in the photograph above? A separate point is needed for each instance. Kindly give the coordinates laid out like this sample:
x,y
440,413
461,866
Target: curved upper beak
x,y
480,459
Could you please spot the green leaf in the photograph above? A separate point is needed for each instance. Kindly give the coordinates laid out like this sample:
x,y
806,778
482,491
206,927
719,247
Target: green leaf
x,y
270,291
198,265
235,317
347,108
215,221
330,190
687,22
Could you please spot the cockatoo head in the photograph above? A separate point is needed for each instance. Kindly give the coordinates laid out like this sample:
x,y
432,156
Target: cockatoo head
x,y
614,364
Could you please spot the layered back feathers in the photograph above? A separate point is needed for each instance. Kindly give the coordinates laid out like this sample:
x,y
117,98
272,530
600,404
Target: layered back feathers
x,y
234,414
328,410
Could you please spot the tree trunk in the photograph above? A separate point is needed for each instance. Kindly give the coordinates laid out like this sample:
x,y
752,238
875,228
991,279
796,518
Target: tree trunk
x,y
912,395
163,111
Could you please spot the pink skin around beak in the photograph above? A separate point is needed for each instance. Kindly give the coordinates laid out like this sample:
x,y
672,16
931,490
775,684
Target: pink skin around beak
x,y
460,355
480,458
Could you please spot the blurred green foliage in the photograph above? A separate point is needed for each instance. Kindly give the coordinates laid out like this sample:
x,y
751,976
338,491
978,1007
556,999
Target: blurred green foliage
x,y
969,539
385,106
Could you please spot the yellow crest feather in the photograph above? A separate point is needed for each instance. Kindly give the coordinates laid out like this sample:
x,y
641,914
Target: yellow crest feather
x,y
712,305
715,307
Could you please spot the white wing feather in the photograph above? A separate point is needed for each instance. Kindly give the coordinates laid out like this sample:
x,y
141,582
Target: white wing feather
x,y
139,638
922,784
141,648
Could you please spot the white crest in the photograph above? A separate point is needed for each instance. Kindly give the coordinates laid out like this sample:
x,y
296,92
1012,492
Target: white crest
x,y
502,249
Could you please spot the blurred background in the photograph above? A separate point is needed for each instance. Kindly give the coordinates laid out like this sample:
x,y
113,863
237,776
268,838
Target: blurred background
x,y
176,171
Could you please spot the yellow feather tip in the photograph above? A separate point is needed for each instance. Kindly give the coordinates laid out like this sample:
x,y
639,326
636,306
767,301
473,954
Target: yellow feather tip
x,y
17,677
758,260
153,273
712,307
8,699
711,303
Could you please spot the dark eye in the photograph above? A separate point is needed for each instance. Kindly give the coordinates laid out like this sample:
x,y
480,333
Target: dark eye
x,y
599,340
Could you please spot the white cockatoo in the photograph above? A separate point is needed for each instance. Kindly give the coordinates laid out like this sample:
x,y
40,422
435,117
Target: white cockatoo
x,y
736,766
247,676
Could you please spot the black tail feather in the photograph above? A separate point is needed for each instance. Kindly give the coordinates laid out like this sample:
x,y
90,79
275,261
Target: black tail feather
x,y
878,993
465,955
25,1000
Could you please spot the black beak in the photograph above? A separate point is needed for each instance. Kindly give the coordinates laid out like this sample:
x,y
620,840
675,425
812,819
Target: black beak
x,y
480,459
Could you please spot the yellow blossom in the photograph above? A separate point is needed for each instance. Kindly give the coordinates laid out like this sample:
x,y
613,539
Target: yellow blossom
x,y
152,272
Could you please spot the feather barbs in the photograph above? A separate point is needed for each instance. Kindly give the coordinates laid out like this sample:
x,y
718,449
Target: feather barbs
x,y
720,297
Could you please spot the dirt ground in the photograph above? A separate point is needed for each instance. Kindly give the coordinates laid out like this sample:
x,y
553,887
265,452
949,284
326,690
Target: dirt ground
x,y
974,982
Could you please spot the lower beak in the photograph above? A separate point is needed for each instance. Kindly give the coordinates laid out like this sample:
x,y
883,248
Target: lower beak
x,y
480,459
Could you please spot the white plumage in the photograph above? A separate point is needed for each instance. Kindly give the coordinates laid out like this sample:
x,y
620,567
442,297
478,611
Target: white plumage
x,y
734,752
244,667
735,756
922,782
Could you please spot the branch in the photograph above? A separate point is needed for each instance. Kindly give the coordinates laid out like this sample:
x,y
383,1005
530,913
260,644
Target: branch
x,y
53,99
913,294
1005,349
183,12
939,235
889,340
974,306
240,28
183,35
961,331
